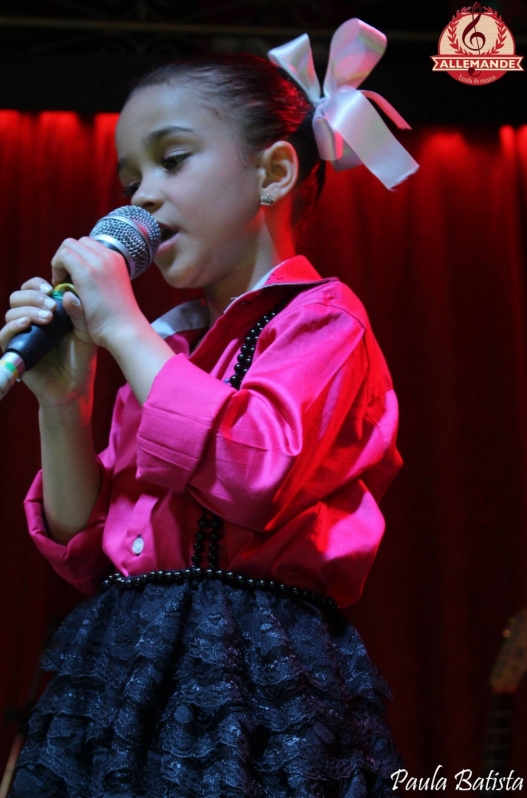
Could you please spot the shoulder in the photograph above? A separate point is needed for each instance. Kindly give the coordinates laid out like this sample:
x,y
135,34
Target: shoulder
x,y
332,311
333,298
323,322
314,293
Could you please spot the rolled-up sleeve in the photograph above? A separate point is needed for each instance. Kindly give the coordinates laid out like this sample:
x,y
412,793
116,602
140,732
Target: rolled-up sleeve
x,y
246,454
177,421
81,562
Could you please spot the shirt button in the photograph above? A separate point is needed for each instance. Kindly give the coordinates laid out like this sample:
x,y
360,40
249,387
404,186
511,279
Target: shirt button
x,y
138,545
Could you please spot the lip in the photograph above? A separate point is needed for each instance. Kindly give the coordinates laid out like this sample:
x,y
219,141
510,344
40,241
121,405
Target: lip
x,y
168,242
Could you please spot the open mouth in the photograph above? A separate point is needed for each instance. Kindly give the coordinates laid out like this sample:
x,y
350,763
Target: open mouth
x,y
168,238
166,233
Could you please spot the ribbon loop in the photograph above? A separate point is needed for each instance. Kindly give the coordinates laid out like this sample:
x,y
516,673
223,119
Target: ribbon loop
x,y
297,59
356,48
347,127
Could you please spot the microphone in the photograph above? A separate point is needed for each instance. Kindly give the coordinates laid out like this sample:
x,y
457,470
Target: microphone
x,y
130,231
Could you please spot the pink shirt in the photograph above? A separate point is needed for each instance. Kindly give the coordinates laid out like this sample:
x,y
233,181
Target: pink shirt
x,y
295,462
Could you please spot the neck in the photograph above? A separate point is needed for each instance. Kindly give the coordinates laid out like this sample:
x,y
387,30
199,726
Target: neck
x,y
269,251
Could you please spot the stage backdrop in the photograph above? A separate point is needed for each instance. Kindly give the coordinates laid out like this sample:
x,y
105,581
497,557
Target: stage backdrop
x,y
440,266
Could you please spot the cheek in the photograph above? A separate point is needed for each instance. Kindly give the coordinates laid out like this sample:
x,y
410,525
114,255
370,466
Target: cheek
x,y
240,190
227,200
232,177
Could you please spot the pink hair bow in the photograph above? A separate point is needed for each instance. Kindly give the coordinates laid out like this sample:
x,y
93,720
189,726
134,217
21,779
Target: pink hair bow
x,y
347,128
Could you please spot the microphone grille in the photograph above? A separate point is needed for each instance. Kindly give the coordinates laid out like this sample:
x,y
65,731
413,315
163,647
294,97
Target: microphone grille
x,y
134,229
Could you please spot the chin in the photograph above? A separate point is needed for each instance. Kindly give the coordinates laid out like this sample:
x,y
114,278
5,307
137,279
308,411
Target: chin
x,y
176,276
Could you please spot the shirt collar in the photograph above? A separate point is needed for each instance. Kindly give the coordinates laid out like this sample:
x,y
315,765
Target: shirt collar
x,y
295,271
292,271
193,315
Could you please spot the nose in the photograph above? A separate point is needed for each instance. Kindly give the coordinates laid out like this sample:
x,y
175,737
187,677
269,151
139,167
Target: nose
x,y
147,196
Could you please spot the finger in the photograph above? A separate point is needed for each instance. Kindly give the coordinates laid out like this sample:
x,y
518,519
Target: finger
x,y
99,250
86,248
73,307
70,263
59,275
38,284
73,257
93,244
68,258
61,262
36,315
11,329
29,296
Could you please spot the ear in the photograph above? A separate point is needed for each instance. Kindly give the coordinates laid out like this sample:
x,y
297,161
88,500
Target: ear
x,y
278,169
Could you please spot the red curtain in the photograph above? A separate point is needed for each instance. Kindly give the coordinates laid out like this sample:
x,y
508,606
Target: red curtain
x,y
440,265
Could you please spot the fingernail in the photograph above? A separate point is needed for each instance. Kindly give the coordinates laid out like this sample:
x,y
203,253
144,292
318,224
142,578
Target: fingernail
x,y
44,314
46,288
49,303
75,300
23,320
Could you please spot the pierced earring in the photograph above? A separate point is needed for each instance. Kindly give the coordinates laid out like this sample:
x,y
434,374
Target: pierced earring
x,y
266,199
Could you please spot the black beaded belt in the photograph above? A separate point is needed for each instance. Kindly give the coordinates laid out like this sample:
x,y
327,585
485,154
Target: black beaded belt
x,y
227,577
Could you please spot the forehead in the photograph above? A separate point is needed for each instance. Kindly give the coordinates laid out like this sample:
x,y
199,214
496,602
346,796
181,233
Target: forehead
x,y
169,105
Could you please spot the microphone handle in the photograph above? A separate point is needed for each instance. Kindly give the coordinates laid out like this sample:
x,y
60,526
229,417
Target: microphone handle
x,y
34,343
130,231
27,348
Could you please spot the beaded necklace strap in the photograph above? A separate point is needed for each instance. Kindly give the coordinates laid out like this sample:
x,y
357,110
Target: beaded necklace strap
x,y
210,521
245,358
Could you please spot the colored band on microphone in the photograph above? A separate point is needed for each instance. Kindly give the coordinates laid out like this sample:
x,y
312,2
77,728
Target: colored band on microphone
x,y
13,363
12,368
60,290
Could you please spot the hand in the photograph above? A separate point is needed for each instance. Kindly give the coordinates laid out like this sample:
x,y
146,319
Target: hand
x,y
113,318
66,374
101,279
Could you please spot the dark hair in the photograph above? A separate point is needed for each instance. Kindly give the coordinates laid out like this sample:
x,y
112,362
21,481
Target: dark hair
x,y
265,104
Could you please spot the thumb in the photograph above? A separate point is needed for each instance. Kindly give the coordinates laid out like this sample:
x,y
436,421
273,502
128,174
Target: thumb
x,y
73,307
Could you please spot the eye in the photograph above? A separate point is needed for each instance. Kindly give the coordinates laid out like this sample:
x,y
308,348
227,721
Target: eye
x,y
174,160
130,190
170,163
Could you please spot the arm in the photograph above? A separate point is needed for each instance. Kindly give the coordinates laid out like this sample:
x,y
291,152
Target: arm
x,y
63,385
71,477
140,354
63,381
80,559
295,430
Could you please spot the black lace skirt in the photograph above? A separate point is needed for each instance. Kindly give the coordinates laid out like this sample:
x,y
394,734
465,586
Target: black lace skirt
x,y
203,690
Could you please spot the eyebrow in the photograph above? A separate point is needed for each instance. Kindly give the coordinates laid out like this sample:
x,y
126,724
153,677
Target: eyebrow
x,y
154,137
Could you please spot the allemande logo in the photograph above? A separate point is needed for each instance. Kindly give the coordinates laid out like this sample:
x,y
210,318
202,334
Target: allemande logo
x,y
477,47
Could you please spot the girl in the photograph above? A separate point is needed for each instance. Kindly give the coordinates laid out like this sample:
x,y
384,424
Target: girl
x,y
236,504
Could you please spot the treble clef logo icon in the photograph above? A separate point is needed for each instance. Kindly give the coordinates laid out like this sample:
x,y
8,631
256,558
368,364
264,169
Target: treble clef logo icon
x,y
475,35
476,47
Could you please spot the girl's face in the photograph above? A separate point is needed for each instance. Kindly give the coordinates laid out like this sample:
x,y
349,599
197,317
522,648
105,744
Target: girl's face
x,y
181,161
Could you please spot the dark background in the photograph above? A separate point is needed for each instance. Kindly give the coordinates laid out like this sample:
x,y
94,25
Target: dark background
x,y
65,54
440,264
